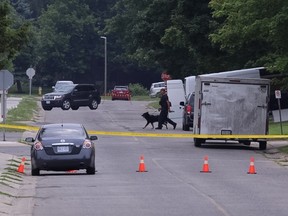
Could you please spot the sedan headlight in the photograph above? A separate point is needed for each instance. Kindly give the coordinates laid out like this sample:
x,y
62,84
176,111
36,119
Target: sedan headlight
x,y
87,144
38,146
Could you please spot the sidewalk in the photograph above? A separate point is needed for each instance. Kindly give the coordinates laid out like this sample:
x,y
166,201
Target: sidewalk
x,y
17,189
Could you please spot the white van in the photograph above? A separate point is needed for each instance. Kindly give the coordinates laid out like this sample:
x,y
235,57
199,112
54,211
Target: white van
x,y
176,94
155,89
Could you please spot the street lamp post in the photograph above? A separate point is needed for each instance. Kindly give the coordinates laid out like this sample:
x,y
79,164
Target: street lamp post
x,y
105,73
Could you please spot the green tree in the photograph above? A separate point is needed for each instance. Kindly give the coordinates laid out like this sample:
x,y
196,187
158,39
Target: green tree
x,y
37,7
13,35
22,8
67,34
254,28
171,34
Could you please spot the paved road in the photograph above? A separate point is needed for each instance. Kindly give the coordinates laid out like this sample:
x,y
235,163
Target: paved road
x,y
173,184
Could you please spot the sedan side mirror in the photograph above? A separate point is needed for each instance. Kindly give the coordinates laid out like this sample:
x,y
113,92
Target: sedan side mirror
x,y
29,139
93,138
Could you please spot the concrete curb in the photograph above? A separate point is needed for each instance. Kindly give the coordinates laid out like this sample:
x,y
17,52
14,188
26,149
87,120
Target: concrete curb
x,y
17,189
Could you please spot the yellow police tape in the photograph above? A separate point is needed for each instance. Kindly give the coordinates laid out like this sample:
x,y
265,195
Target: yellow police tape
x,y
163,135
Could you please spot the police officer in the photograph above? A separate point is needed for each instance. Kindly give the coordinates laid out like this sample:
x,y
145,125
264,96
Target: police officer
x,y
165,108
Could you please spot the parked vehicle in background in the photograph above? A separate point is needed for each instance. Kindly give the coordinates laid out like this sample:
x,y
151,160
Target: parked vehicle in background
x,y
155,89
59,84
188,112
176,94
72,96
231,106
62,147
121,93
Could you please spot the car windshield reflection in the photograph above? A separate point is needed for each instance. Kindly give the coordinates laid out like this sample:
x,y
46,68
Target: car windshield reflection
x,y
61,133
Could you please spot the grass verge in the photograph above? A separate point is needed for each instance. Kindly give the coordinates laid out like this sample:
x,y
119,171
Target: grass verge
x,y
284,149
275,128
24,111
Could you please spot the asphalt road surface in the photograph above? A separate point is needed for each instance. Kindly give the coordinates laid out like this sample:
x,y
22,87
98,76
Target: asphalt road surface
x,y
173,184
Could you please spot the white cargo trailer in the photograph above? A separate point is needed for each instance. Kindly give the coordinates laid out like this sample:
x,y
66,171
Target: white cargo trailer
x,y
258,72
231,106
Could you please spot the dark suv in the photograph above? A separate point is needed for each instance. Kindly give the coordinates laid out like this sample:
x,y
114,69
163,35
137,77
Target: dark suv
x,y
188,112
72,96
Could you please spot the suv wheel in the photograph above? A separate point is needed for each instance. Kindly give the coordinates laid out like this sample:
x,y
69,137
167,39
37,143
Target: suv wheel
x,y
66,104
93,104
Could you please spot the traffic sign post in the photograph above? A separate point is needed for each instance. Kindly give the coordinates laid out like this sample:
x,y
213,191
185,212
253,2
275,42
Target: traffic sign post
x,y
6,81
30,72
278,97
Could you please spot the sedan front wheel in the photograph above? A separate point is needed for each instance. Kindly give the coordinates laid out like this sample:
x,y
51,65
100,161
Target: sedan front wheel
x,y
34,171
90,170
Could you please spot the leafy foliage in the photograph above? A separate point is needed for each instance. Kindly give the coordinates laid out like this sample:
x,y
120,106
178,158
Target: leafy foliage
x,y
184,37
12,36
256,27
138,89
171,34
66,30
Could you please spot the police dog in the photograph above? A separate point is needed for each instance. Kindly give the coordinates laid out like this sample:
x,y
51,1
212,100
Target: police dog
x,y
151,119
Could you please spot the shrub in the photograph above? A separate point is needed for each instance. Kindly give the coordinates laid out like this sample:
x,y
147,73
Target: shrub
x,y
138,90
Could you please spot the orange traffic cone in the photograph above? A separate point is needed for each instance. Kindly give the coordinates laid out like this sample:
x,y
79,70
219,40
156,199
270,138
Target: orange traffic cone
x,y
252,167
21,166
205,168
141,165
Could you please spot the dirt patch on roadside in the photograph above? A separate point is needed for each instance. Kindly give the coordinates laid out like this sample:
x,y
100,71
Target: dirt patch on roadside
x,y
275,154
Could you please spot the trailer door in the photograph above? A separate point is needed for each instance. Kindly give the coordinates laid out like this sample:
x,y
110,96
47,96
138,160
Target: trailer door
x,y
233,108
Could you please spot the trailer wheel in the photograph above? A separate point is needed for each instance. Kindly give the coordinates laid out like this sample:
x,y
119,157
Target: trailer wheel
x,y
197,142
262,145
248,143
